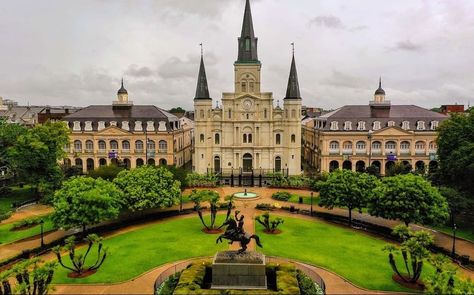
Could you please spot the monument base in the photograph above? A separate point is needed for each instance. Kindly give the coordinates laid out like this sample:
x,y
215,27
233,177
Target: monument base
x,y
245,271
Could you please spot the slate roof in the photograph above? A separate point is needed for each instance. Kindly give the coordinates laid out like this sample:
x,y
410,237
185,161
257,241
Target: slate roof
x,y
101,112
396,113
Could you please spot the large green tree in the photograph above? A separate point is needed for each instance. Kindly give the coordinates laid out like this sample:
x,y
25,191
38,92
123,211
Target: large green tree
x,y
84,201
9,134
345,188
148,187
409,198
456,152
36,154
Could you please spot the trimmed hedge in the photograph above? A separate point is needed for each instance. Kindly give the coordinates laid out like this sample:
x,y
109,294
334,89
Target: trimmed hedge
x,y
281,196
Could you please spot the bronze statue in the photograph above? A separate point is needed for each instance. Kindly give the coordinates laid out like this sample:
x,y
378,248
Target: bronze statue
x,y
235,233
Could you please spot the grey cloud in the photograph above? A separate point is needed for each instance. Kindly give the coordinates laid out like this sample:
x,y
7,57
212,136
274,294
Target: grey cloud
x,y
139,72
328,21
408,46
341,79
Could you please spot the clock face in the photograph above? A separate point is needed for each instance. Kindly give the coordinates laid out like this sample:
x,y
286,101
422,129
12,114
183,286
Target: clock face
x,y
247,104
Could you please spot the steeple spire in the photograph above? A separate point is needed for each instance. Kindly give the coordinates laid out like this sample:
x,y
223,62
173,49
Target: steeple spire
x,y
380,90
202,91
247,40
293,89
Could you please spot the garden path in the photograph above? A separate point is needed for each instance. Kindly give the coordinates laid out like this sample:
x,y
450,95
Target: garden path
x,y
28,212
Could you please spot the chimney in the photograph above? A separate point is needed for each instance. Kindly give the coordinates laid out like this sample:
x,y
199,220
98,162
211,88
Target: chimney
x,y
66,110
48,110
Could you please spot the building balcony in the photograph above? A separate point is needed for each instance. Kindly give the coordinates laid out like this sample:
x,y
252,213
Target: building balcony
x,y
139,151
347,152
89,151
334,152
376,152
102,151
77,151
420,152
361,152
390,151
405,152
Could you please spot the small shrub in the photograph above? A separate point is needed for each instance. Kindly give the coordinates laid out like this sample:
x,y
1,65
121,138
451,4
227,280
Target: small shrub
x,y
168,286
106,172
264,206
281,196
307,286
298,181
201,180
5,215
270,225
286,279
28,222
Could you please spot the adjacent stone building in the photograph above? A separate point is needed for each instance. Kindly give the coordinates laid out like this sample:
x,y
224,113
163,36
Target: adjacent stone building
x,y
127,134
247,134
379,134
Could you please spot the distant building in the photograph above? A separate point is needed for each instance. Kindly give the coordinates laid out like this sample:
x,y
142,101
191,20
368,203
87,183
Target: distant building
x,y
451,108
127,134
379,134
55,114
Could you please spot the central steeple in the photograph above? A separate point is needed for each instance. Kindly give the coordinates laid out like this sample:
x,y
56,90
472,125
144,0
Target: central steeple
x,y
247,40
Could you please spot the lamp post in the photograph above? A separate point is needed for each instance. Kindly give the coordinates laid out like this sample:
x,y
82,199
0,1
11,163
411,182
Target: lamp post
x,y
311,210
42,232
453,252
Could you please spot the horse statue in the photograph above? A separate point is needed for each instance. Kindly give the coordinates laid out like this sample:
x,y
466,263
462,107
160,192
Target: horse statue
x,y
235,233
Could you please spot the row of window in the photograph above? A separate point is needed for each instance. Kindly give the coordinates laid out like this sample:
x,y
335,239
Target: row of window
x,y
247,138
377,125
377,145
114,145
125,125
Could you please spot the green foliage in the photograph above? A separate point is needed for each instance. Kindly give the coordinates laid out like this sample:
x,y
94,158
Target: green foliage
x,y
307,286
296,181
148,187
79,260
27,222
345,188
31,278
264,206
413,250
399,168
192,279
201,180
85,201
180,174
455,149
9,134
36,153
281,196
108,172
5,214
270,225
177,110
409,198
213,198
445,280
168,286
457,202
286,279
9,235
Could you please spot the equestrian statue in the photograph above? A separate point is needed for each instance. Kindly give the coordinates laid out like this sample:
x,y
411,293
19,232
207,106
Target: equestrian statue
x,y
234,232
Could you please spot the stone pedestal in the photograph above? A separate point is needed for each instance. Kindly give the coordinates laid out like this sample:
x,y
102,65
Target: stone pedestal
x,y
231,270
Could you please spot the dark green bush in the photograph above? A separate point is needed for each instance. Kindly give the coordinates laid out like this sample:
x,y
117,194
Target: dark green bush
x,y
307,286
5,191
281,196
167,288
28,222
106,172
264,206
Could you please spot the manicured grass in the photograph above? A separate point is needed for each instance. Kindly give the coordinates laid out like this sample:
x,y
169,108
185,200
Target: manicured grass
x,y
8,236
353,255
306,200
465,232
134,253
17,195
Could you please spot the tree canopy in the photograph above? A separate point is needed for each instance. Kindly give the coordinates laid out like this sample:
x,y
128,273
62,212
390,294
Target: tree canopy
x,y
148,187
409,198
345,188
83,201
9,134
456,152
36,153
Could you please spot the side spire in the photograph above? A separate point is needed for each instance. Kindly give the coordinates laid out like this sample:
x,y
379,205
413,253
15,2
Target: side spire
x,y
247,40
293,89
202,91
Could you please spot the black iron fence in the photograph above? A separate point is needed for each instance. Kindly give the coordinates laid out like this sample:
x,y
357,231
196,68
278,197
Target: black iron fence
x,y
247,177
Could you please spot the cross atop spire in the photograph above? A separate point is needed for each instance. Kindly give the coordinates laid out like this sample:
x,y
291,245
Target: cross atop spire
x,y
247,40
202,91
293,89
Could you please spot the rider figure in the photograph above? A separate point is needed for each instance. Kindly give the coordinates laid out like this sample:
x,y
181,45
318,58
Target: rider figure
x,y
240,226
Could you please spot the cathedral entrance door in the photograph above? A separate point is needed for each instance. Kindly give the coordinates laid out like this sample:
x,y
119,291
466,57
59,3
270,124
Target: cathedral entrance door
x,y
247,163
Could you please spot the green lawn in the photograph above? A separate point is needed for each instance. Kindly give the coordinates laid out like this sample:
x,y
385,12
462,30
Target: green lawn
x,y
17,195
306,200
353,255
134,253
8,236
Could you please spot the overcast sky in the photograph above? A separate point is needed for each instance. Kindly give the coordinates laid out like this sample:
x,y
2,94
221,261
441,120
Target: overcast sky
x,y
70,52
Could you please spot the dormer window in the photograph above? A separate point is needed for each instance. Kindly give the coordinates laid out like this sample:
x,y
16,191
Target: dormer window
x,y
361,125
125,126
420,125
334,125
405,125
138,126
77,126
376,125
390,123
434,125
88,126
348,125
100,125
150,126
113,123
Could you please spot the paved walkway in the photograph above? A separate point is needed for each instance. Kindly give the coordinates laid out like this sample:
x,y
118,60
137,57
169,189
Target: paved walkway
x,y
28,212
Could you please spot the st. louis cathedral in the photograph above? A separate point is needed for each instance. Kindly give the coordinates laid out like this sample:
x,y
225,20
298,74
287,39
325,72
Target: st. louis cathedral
x,y
247,135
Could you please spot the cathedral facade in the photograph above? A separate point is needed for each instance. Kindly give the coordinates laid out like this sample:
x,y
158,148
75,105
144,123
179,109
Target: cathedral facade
x,y
247,134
